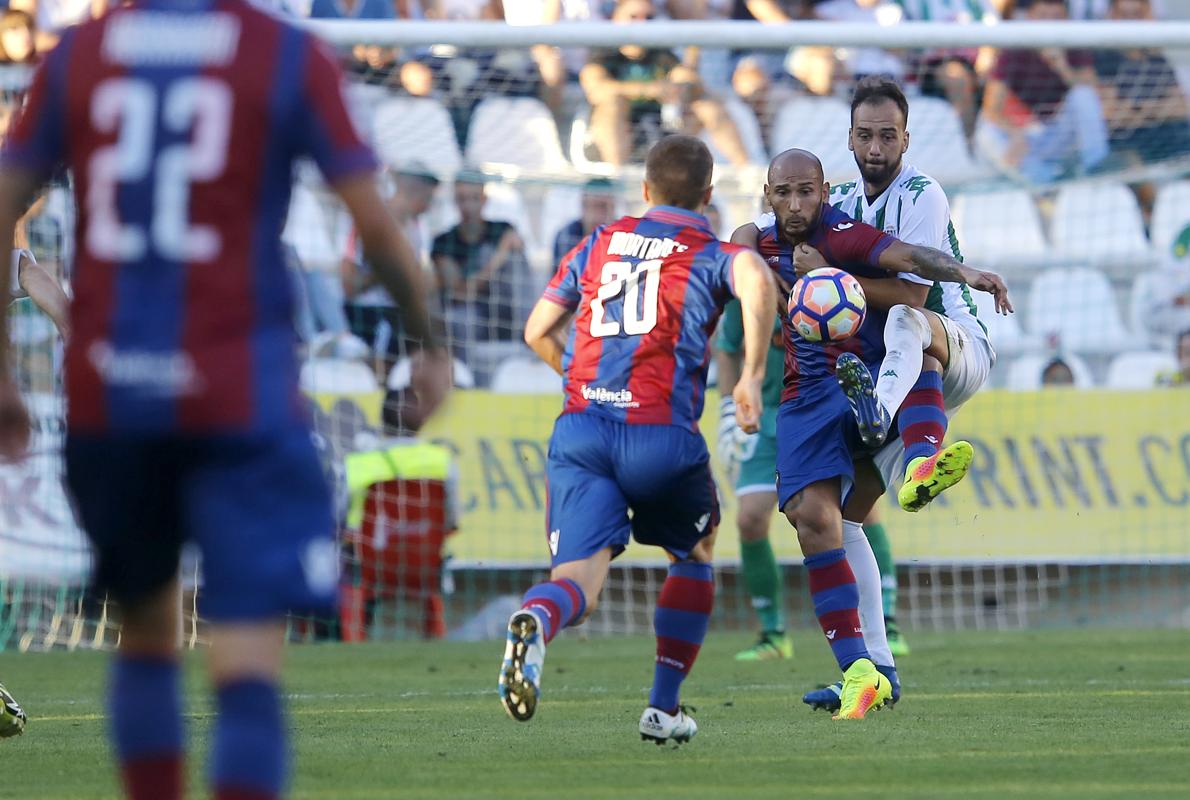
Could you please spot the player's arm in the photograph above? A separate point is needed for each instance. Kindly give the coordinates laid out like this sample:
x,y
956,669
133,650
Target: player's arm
x,y
545,331
754,286
600,87
396,267
934,265
45,293
748,235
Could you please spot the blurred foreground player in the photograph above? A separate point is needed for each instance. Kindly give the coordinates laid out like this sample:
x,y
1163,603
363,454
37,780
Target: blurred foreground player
x,y
180,123
644,295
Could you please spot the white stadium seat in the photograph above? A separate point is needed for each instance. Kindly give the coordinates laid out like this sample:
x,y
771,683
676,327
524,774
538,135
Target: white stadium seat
x,y
996,228
338,375
1171,213
399,375
409,129
1075,309
1008,338
1099,224
524,375
1024,374
818,124
518,131
937,144
1139,370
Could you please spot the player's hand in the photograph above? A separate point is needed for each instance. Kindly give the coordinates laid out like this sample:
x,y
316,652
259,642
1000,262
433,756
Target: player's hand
x,y
806,259
991,283
748,404
14,423
430,379
733,444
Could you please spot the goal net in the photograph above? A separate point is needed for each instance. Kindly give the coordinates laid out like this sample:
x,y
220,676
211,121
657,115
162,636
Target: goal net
x,y
1064,152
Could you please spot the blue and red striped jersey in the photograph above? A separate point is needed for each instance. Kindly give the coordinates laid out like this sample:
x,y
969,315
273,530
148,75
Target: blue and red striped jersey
x,y
181,123
851,246
647,293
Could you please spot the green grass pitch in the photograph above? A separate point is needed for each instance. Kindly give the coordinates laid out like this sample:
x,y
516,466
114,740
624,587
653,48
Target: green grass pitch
x,y
1045,714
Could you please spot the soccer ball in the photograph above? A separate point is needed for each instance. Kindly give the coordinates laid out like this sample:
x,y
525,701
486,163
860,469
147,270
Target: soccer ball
x,y
827,305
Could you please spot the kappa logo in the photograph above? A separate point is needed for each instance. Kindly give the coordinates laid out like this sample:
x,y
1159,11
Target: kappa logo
x,y
831,634
889,373
701,525
842,226
554,534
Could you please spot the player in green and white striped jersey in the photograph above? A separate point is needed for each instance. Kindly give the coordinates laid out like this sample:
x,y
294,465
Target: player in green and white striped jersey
x,y
937,357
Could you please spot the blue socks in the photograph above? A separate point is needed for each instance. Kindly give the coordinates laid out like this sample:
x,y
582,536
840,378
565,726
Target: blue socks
x,y
558,604
683,614
249,756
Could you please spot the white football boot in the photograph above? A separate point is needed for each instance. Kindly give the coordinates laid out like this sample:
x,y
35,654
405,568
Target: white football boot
x,y
657,726
520,674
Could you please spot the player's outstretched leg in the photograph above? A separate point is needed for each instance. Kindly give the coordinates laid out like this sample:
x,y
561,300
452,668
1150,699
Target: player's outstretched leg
x,y
680,623
546,609
12,716
873,420
928,477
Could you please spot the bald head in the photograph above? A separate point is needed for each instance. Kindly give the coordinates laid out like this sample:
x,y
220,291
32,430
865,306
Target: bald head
x,y
795,162
796,191
678,172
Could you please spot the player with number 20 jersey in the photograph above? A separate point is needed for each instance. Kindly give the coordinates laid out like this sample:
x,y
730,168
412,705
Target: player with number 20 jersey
x,y
626,458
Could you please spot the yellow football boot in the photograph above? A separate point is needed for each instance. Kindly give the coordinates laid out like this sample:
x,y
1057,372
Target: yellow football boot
x,y
926,478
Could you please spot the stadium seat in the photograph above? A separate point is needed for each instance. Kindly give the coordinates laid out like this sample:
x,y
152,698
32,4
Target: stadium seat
x,y
982,219
1008,338
1075,309
1024,374
938,146
338,375
1099,224
525,375
818,124
1139,370
518,131
409,129
1171,214
399,375
745,121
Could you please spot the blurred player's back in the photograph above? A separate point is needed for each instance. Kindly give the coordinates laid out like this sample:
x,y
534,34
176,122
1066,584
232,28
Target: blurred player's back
x,y
183,121
649,292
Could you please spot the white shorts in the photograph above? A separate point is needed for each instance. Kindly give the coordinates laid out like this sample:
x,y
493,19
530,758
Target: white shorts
x,y
967,371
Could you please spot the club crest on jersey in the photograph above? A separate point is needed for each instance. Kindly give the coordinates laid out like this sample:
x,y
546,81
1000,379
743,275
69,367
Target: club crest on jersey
x,y
620,398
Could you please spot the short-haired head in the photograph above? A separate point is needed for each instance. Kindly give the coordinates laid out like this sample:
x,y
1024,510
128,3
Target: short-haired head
x,y
796,191
678,172
879,89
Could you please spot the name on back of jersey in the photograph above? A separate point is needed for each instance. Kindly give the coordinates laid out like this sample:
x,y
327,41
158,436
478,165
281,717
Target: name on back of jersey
x,y
633,245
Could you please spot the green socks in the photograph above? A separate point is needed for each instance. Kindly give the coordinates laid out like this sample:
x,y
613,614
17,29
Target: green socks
x,y
762,578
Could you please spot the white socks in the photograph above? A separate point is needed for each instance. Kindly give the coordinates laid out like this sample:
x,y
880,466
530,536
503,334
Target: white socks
x,y
906,335
871,605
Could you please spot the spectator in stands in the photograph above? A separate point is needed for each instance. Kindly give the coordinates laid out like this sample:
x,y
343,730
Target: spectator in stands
x,y
954,73
1147,113
1182,376
1041,108
637,94
854,63
370,310
481,272
370,61
598,208
1056,373
762,93
18,38
403,505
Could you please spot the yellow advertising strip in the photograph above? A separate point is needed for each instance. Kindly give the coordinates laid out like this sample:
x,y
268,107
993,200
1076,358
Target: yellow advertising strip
x,y
1063,474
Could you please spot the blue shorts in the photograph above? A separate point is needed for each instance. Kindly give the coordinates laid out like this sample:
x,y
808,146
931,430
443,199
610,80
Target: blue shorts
x,y
817,439
257,506
600,469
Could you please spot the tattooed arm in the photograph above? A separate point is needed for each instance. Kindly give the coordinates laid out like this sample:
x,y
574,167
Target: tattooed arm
x,y
936,265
